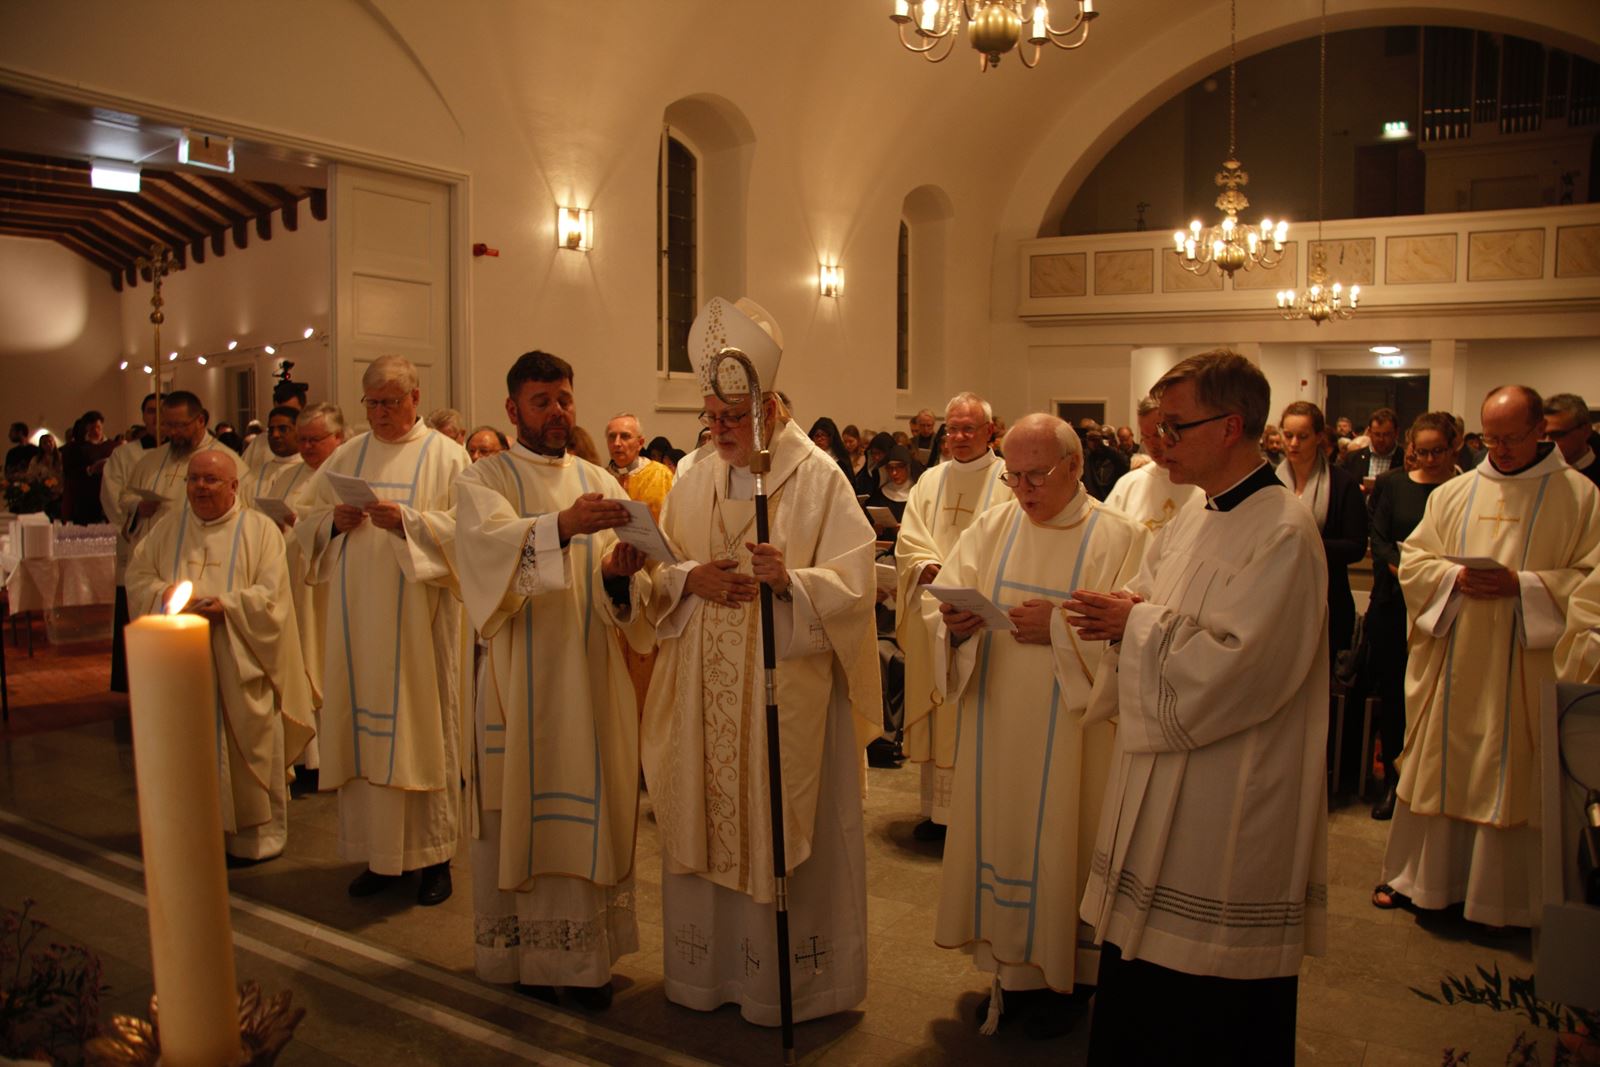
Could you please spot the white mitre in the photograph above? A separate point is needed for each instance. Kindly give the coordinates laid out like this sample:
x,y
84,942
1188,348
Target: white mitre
x,y
745,326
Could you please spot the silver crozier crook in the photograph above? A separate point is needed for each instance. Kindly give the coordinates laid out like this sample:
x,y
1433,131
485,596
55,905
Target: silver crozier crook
x,y
760,463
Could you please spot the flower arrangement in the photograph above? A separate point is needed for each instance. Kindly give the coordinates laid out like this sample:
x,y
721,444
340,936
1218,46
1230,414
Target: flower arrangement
x,y
26,495
49,996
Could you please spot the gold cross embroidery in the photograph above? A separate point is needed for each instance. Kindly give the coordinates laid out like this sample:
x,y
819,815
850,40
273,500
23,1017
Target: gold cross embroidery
x,y
205,561
1167,511
1500,514
957,509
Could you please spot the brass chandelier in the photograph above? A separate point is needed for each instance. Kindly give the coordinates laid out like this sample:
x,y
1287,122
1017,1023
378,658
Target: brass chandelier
x,y
1320,301
994,27
1229,245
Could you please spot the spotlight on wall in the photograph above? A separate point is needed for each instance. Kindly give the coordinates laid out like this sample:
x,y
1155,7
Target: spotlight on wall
x,y
269,350
123,365
148,369
172,357
574,228
114,175
200,360
309,333
830,279
232,345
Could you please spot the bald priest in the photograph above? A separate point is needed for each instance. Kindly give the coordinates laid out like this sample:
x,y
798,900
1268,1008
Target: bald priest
x,y
235,558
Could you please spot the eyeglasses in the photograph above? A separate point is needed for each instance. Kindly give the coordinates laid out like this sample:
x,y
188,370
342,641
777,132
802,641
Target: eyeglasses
x,y
168,425
1510,440
727,420
1551,433
1171,432
1431,453
304,440
386,403
956,430
205,481
1012,479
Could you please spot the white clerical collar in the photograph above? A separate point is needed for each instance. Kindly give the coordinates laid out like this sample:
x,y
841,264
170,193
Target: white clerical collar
x,y
523,452
1546,464
418,429
633,468
976,464
220,519
1070,514
1585,461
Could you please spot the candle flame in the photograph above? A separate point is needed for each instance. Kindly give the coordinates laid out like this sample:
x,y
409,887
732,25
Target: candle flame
x,y
180,597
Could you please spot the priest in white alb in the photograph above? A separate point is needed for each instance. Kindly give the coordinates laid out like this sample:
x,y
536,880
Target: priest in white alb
x,y
234,558
1147,494
943,503
1031,775
319,430
1578,653
1487,576
118,469
1209,877
390,740
555,770
282,456
704,731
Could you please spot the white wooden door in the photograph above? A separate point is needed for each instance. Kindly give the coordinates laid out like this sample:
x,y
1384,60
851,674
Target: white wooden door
x,y
391,281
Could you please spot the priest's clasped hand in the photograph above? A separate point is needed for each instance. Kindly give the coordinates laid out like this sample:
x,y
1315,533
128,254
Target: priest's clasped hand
x,y
1100,616
347,517
207,607
622,561
1488,584
386,515
590,513
720,583
961,624
766,563
1032,621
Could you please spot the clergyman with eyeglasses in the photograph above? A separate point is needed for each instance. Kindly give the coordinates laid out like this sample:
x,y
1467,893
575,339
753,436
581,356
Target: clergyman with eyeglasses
x,y
390,741
704,734
1487,576
156,481
1209,876
234,556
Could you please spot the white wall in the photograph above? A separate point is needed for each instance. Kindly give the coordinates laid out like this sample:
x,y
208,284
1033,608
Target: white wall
x,y
1555,366
59,337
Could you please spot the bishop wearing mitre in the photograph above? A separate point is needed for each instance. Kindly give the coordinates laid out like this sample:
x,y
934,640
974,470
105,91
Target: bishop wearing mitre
x,y
234,557
705,740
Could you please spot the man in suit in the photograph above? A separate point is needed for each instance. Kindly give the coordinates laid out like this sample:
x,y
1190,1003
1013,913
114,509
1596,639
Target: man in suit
x,y
1382,451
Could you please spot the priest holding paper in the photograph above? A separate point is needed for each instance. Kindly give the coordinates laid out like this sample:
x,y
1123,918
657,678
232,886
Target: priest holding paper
x,y
555,782
1031,776
377,529
942,504
283,456
704,732
1487,577
234,556
1209,875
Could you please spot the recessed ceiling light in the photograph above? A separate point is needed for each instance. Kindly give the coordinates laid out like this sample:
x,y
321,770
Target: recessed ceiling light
x,y
232,345
1384,350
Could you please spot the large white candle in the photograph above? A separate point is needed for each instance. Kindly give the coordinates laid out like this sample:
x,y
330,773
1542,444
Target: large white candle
x,y
172,696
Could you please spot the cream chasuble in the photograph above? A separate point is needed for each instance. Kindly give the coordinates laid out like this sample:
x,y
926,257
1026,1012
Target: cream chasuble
x,y
265,478
1211,857
1031,777
555,778
704,739
263,698
1473,678
390,728
293,487
1578,654
943,503
114,478
158,471
1150,497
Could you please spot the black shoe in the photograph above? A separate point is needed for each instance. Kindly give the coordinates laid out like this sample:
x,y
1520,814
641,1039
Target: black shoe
x,y
881,753
304,784
546,993
435,887
1383,810
928,830
370,881
1052,1015
591,998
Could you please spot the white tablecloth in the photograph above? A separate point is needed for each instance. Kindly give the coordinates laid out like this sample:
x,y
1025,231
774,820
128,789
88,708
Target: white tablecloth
x,y
68,582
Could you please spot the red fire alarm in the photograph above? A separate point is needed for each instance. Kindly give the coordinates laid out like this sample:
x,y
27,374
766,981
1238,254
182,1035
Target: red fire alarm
x,y
481,249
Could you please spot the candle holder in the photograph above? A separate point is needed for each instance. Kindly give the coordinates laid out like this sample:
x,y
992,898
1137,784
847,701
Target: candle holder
x,y
265,1027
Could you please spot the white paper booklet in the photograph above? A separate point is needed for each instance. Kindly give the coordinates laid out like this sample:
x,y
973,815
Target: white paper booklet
x,y
351,491
963,598
642,532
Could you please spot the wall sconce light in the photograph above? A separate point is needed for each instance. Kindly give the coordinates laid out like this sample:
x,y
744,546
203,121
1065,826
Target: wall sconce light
x,y
574,228
830,279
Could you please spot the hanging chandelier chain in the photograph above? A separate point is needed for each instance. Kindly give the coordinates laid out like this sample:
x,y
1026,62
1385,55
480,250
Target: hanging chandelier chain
x,y
1322,114
1233,77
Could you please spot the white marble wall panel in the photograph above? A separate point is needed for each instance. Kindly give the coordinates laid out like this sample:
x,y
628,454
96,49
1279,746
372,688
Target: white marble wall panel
x,y
1420,260
1505,255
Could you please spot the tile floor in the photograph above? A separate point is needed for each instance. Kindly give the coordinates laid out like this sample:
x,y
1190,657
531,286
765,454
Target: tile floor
x,y
387,982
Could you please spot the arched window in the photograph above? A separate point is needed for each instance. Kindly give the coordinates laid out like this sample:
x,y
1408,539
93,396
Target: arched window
x,y
925,216
678,277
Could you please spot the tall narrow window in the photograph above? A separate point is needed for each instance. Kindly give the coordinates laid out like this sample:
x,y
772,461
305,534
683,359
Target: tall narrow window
x,y
677,286
902,311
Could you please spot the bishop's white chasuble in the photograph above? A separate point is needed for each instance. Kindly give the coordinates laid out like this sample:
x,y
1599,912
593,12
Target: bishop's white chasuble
x,y
944,502
1472,682
704,739
555,773
1212,855
1150,497
390,730
1030,776
263,698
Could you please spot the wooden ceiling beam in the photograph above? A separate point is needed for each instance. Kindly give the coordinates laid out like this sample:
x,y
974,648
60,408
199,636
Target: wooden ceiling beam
x,y
319,204
202,191
291,215
174,199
